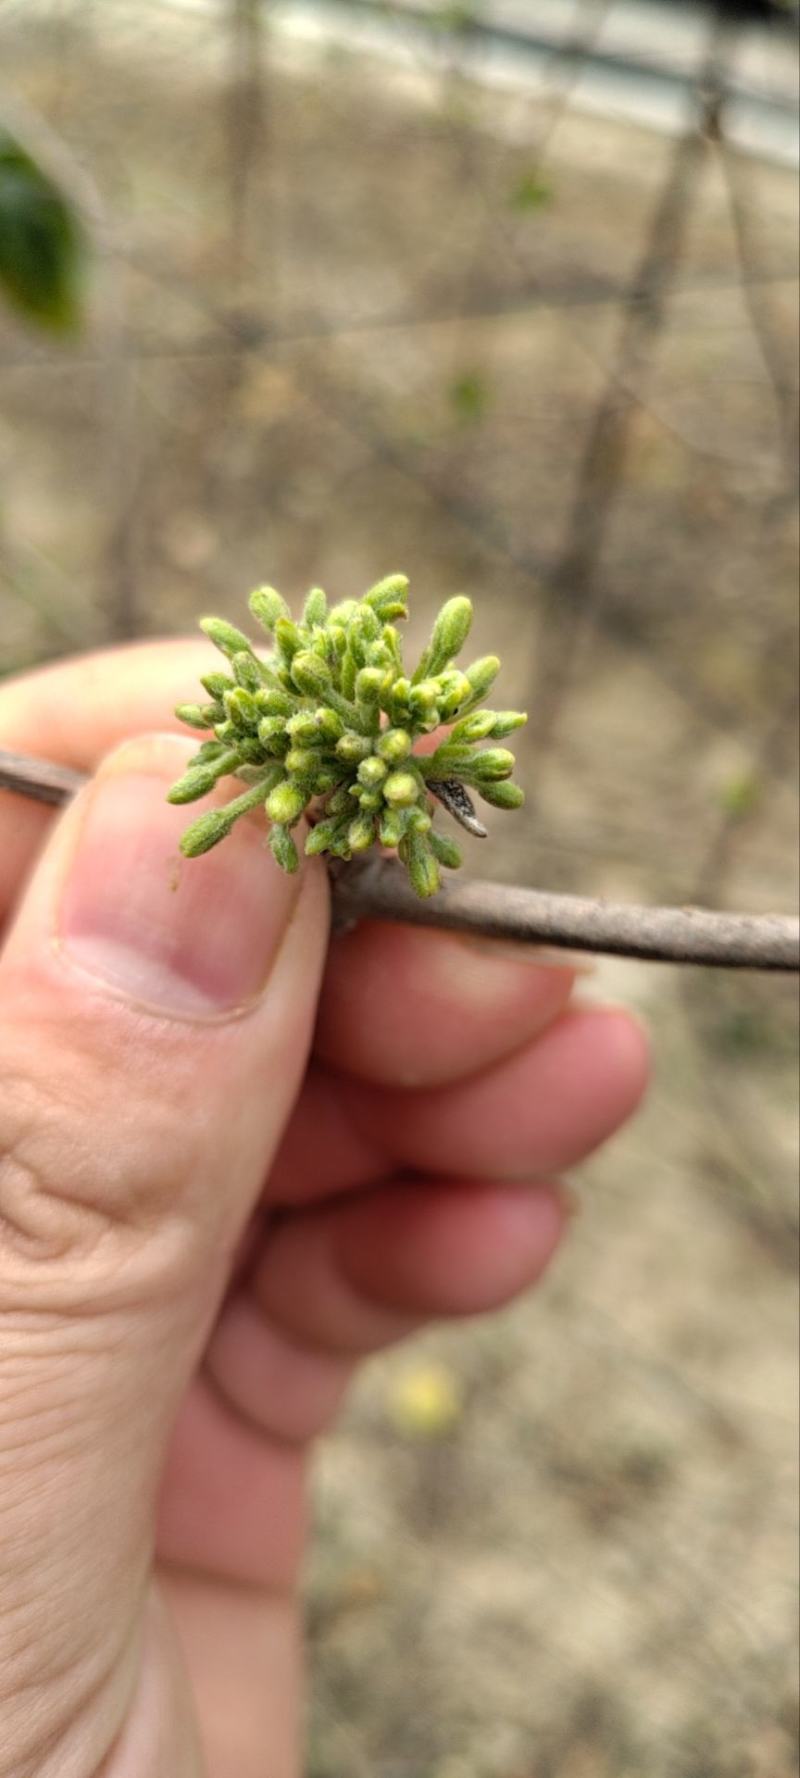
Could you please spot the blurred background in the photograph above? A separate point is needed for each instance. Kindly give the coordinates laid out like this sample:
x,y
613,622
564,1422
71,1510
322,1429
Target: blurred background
x,y
501,293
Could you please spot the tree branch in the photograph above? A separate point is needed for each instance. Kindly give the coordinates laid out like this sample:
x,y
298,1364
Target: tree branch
x,y
375,889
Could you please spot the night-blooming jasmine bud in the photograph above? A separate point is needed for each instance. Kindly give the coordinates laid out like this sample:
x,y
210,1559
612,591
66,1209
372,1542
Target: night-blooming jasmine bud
x,y
502,796
246,671
361,832
328,723
482,674
285,803
391,827
495,762
197,716
270,729
449,634
216,684
475,727
505,722
370,682
268,606
301,760
419,859
372,772
315,609
242,708
302,729
393,745
225,637
288,637
401,789
389,597
352,748
199,779
214,826
311,674
283,848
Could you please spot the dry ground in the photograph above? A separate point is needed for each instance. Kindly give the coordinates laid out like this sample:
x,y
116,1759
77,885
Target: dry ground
x,y
339,342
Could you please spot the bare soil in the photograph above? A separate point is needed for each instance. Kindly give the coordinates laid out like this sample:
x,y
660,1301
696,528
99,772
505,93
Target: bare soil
x,y
328,338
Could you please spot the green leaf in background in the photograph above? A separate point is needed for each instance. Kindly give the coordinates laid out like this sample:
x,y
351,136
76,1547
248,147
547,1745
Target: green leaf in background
x,y
530,193
470,396
42,243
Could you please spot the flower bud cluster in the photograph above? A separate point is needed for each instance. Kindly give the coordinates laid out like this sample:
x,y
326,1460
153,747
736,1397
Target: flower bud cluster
x,y
326,725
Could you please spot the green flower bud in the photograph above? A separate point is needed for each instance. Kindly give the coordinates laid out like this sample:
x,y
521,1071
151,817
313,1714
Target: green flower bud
x,y
318,839
315,609
424,697
494,763
502,796
225,637
372,772
449,634
370,683
246,671
213,827
475,727
242,709
274,702
268,606
199,779
445,849
370,800
353,748
391,827
389,597
324,780
420,861
361,832
288,637
329,723
198,716
285,803
393,745
270,729
419,821
216,684
456,690
301,760
302,729
283,848
310,673
401,789
343,612
505,722
482,674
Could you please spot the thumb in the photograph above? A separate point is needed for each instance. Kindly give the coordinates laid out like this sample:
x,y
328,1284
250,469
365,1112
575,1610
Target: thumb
x,y
155,1018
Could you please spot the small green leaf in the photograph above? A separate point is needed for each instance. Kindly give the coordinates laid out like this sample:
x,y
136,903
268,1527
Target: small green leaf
x,y
531,192
43,248
470,397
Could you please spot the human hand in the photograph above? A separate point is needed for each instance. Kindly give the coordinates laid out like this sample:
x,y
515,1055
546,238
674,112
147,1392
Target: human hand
x,y
210,1212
